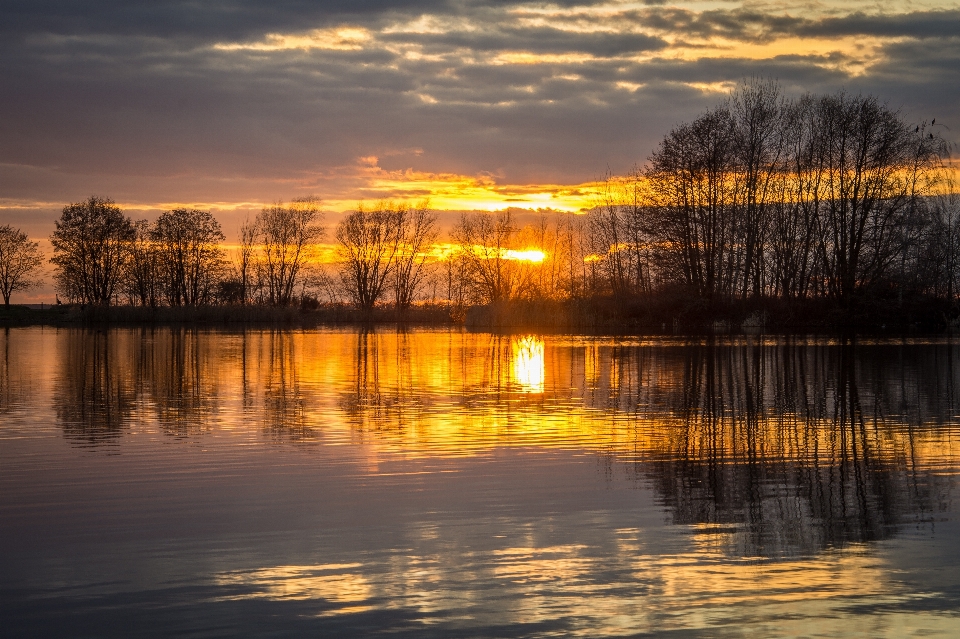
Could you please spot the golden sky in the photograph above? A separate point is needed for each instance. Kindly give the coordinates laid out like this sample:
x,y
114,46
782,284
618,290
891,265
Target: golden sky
x,y
475,105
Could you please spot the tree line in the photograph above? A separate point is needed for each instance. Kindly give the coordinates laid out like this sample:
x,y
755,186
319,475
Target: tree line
x,y
824,196
103,257
833,198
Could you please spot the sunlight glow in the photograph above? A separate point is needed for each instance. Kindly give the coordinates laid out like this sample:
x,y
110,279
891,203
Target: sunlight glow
x,y
526,57
344,38
452,191
851,54
530,255
529,367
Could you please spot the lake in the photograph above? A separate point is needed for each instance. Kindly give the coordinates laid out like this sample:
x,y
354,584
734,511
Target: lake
x,y
195,483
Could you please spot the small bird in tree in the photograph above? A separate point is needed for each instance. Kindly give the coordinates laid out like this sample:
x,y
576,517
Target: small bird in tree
x,y
933,121
917,130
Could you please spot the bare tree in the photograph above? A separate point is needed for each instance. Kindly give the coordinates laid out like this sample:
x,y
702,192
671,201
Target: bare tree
x,y
619,231
416,233
368,247
245,260
286,232
866,152
795,219
821,196
20,259
939,267
692,176
758,112
189,245
455,279
143,281
90,250
487,246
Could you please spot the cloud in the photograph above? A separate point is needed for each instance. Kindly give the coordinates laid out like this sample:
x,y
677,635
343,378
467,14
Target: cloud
x,y
246,102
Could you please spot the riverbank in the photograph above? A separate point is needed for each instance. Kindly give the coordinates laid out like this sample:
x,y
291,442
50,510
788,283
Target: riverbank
x,y
660,314
210,316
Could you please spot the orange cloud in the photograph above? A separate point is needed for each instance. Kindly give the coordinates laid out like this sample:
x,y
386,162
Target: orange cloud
x,y
452,191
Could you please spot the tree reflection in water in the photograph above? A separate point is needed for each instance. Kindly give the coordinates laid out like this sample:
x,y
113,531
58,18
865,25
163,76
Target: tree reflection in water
x,y
364,403
15,387
371,404
775,449
96,392
279,372
175,371
768,448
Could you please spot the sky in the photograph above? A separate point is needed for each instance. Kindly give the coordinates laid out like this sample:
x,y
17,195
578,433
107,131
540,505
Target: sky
x,y
228,105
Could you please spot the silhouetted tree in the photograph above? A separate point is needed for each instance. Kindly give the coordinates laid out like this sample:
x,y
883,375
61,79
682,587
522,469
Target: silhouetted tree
x,y
692,174
285,233
20,259
619,234
485,243
369,242
90,250
865,149
188,243
822,196
245,260
758,111
142,280
416,233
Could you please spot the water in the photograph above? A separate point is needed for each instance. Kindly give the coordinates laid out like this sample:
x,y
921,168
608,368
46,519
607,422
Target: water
x,y
164,482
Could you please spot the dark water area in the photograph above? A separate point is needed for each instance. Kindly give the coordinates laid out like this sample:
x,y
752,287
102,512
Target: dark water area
x,y
169,482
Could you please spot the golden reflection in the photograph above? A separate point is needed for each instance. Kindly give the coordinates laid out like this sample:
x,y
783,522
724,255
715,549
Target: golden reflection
x,y
778,464
528,363
682,591
634,590
766,447
334,583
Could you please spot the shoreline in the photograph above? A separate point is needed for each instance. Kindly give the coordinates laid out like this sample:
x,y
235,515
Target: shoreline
x,y
521,316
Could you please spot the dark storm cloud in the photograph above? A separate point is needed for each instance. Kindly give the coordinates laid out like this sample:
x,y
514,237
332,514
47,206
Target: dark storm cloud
x,y
736,24
922,78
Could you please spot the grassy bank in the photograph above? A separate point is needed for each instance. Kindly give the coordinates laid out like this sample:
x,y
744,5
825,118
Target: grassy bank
x,y
664,313
677,313
213,316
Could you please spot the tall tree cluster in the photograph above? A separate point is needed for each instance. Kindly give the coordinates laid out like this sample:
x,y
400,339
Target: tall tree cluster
x,y
825,196
103,257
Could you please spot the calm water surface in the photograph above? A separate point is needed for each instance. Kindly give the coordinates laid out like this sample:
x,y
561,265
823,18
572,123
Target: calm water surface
x,y
190,483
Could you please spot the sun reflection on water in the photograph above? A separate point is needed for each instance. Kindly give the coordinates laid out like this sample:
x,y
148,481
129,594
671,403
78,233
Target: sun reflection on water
x,y
529,368
596,485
